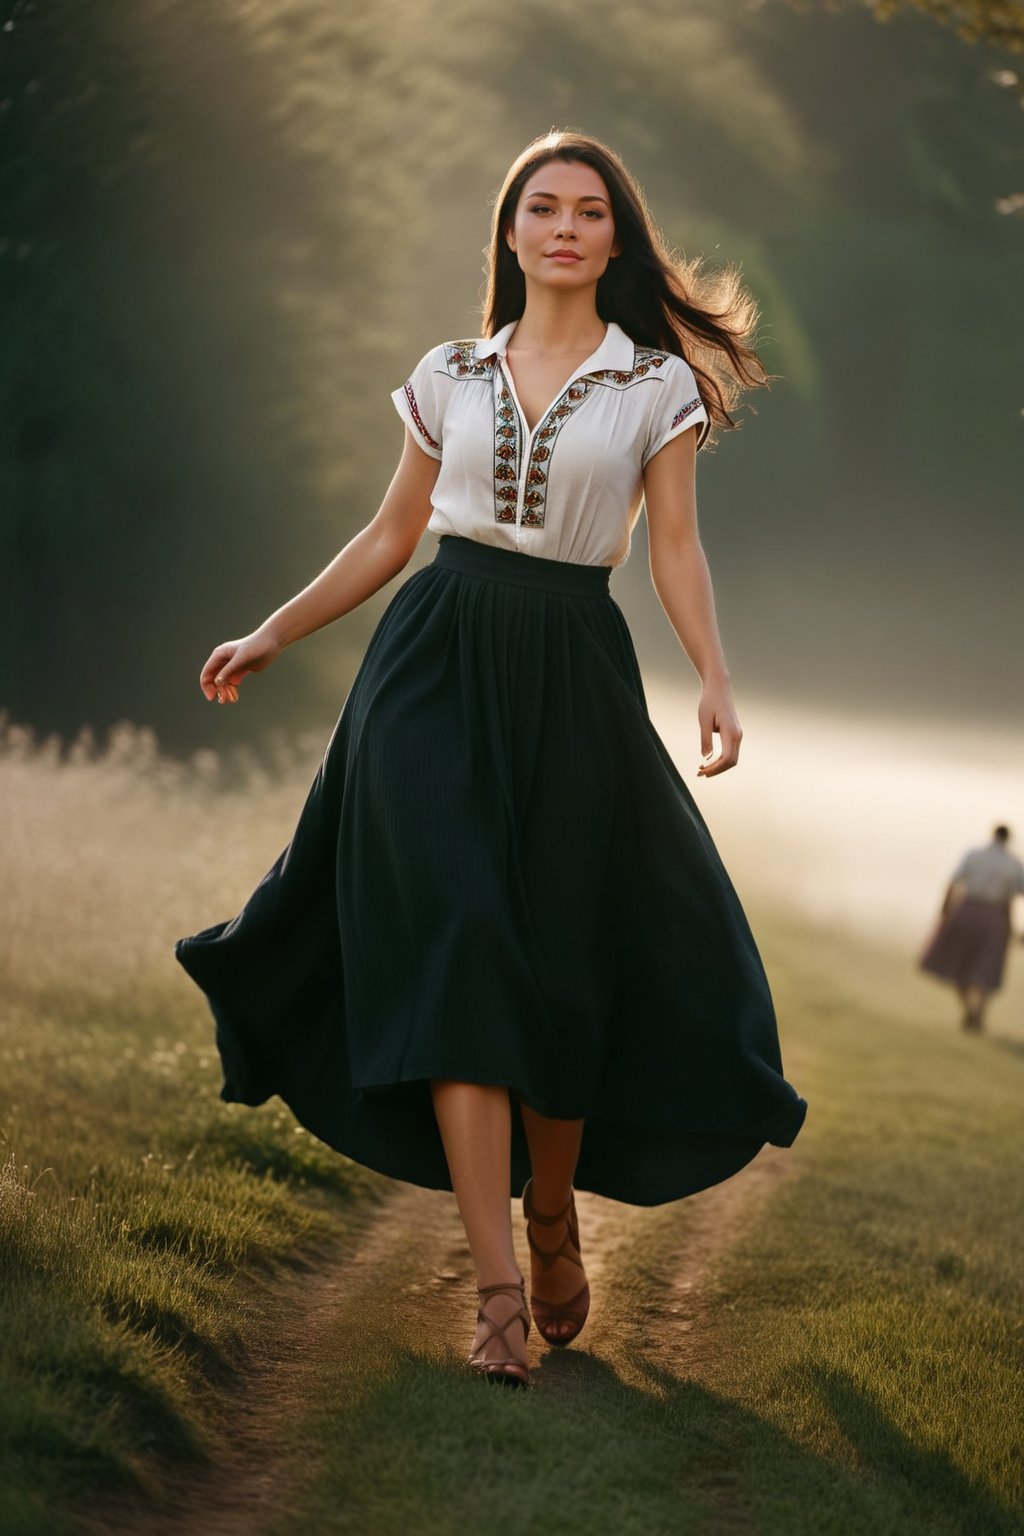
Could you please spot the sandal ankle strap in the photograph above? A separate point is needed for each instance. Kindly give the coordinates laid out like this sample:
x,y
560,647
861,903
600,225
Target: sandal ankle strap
x,y
515,1287
498,1330
534,1215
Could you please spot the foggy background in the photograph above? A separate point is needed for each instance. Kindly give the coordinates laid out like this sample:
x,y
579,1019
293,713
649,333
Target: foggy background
x,y
229,231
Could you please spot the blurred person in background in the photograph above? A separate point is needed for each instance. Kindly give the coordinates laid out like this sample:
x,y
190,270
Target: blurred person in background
x,y
501,945
968,948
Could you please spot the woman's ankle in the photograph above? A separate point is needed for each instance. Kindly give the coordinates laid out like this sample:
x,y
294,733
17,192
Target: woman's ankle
x,y
507,1275
549,1200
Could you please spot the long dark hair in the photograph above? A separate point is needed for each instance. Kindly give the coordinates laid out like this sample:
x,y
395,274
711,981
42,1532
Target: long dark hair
x,y
658,298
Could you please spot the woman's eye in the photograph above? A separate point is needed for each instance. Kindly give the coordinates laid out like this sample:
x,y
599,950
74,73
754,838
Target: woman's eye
x,y
591,213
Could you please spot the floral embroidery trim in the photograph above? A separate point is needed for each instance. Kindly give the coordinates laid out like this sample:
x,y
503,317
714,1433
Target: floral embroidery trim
x,y
462,363
535,499
417,418
507,457
644,359
681,415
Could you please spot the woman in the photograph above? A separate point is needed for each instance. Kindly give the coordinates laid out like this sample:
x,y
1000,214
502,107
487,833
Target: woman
x,y
969,945
501,941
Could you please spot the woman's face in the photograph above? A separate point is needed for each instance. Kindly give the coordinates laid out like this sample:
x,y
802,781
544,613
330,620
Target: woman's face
x,y
564,233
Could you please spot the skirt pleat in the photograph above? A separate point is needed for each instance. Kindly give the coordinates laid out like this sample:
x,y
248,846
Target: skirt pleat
x,y
499,876
968,947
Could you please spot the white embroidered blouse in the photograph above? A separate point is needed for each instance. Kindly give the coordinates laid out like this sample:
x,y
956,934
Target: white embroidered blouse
x,y
572,488
990,873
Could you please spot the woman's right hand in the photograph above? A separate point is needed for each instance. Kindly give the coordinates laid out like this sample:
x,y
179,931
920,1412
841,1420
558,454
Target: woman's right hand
x,y
233,660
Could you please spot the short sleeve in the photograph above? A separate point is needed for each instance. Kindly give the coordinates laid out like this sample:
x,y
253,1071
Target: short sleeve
x,y
678,407
960,873
420,402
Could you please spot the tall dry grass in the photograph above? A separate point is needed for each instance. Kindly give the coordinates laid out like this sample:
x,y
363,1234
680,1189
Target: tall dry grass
x,y
113,850
142,1221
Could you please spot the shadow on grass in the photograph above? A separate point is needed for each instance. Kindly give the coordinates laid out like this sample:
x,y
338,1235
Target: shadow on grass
x,y
940,1495
1006,1043
586,1452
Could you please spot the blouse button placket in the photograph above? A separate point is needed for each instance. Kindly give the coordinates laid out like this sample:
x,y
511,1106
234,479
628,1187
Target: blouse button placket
x,y
526,457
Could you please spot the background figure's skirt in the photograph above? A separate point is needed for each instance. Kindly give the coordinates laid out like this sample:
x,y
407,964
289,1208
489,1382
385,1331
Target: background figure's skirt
x,y
498,876
969,945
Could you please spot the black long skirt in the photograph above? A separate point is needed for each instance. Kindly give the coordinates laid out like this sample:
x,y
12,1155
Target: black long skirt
x,y
499,876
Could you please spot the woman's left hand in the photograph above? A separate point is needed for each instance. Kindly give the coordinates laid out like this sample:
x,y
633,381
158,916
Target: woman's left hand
x,y
717,713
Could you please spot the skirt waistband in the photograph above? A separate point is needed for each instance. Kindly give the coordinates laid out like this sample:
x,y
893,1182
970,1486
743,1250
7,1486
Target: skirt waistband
x,y
490,563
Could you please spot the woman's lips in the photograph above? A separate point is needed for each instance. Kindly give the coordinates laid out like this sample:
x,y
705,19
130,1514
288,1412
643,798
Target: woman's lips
x,y
564,256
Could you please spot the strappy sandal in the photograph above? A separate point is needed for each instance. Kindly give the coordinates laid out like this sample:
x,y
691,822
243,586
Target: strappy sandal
x,y
546,1312
498,1370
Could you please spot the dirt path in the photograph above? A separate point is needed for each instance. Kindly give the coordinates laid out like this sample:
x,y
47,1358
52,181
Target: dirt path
x,y
407,1288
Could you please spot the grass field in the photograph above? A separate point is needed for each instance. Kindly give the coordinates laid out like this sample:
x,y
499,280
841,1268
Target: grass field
x,y
136,1210
855,1359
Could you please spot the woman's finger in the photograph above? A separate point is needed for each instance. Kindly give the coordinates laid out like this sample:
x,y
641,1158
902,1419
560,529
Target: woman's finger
x,y
216,663
731,738
231,662
728,756
224,671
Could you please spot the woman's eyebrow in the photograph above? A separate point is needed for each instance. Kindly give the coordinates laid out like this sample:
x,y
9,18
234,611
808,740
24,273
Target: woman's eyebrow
x,y
591,197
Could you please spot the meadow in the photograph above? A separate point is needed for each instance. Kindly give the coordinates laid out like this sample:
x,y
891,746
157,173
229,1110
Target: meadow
x,y
838,1352
134,1204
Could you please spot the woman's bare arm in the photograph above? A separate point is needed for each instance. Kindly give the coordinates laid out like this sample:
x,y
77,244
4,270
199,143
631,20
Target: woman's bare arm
x,y
679,570
367,562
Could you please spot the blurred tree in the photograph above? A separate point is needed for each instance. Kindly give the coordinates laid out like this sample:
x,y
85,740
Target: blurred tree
x,y
209,221
226,232
997,23
1000,22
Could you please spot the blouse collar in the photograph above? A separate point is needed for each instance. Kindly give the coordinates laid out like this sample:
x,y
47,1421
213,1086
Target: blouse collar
x,y
616,350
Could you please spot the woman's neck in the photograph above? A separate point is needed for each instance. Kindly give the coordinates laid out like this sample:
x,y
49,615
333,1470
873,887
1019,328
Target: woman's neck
x,y
556,323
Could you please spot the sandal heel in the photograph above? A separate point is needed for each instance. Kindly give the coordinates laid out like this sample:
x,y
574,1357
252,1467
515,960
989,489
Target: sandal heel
x,y
574,1311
